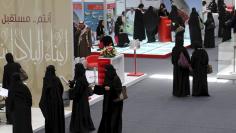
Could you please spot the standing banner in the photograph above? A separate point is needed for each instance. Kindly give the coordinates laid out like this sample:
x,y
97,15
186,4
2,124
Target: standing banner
x,y
38,33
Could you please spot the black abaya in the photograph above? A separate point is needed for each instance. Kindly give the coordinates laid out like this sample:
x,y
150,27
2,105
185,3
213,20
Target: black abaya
x,y
9,69
81,121
20,102
151,22
181,83
139,30
195,30
227,27
209,39
112,111
199,62
51,105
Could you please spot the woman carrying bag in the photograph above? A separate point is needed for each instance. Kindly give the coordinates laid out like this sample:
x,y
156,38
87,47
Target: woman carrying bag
x,y
112,109
81,121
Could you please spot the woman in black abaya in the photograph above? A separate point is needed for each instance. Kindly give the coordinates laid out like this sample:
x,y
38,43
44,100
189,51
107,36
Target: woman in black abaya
x,y
139,30
81,121
194,28
199,62
20,102
151,22
227,19
112,111
51,103
10,68
181,83
209,39
176,21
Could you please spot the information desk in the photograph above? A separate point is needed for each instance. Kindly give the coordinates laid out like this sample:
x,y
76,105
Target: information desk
x,y
117,62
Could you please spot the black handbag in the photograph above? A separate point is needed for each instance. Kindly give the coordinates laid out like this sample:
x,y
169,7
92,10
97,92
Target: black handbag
x,y
122,96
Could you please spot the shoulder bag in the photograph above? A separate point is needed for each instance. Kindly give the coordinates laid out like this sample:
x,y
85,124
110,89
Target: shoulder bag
x,y
122,96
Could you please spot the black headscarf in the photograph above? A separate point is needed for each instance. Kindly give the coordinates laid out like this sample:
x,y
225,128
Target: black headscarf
x,y
50,71
100,23
162,6
194,17
179,39
107,40
80,74
110,73
119,20
9,58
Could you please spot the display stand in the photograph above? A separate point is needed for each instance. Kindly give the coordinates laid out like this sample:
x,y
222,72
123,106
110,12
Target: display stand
x,y
118,64
135,45
164,30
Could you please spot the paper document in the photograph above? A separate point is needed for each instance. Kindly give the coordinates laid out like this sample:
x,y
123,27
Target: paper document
x,y
64,80
3,92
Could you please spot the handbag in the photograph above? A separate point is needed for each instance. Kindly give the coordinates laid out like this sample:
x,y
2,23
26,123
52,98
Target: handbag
x,y
209,69
122,96
23,74
183,62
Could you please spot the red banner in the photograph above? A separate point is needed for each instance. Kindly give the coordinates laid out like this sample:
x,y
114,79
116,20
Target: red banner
x,y
77,6
95,7
111,6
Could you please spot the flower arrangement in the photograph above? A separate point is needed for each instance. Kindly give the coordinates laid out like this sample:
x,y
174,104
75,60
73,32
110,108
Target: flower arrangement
x,y
108,52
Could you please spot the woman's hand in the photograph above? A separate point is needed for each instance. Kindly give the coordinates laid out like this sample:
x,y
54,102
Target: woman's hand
x,y
107,88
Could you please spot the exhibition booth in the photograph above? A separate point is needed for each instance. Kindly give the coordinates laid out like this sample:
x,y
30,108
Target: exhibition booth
x,y
40,33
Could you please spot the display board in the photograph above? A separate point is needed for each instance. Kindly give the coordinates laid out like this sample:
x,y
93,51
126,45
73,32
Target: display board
x,y
78,13
93,12
120,6
38,33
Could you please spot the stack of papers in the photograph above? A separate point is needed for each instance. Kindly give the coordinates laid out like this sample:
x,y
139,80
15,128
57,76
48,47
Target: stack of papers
x,y
3,92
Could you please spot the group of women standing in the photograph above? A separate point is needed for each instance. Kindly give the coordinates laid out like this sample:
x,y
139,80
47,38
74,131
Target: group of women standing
x,y
52,107
19,101
196,25
147,22
197,65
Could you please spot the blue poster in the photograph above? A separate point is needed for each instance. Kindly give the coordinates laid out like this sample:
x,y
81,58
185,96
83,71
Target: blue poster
x,y
78,14
93,12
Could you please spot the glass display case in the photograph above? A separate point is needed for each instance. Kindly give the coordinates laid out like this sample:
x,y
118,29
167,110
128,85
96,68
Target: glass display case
x,y
227,60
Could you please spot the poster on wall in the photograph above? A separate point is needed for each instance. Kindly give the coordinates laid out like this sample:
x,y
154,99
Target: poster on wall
x,y
37,35
120,6
93,12
78,13
110,17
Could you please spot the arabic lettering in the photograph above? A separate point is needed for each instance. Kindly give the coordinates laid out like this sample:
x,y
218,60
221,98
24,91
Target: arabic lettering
x,y
14,18
53,49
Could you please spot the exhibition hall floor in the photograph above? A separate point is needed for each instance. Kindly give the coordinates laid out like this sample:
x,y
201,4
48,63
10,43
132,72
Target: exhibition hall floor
x,y
148,50
151,108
